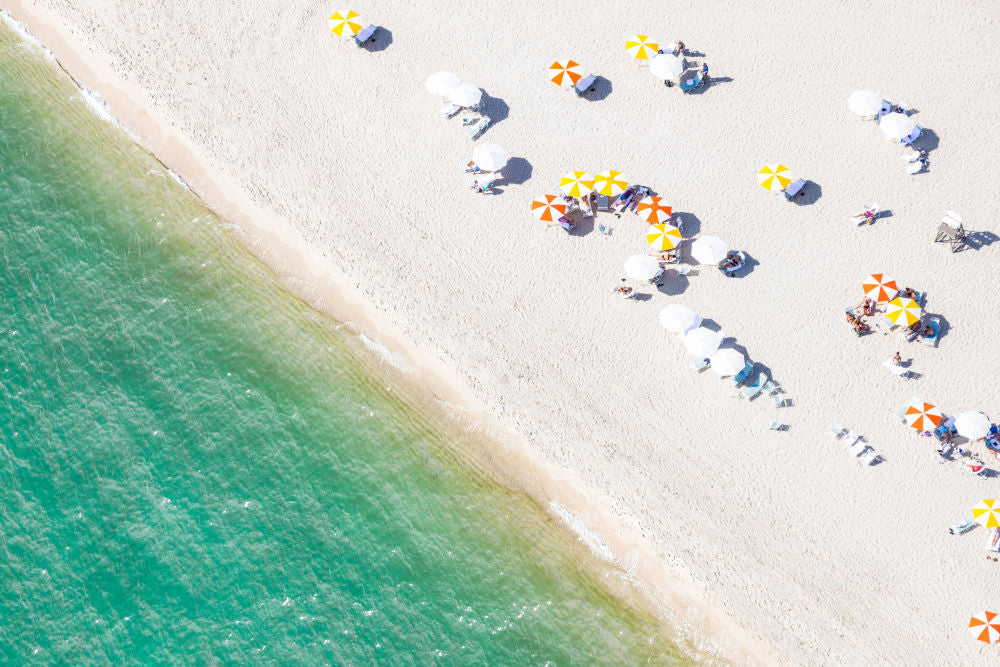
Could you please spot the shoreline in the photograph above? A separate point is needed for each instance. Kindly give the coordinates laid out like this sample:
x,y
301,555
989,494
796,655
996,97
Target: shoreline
x,y
310,276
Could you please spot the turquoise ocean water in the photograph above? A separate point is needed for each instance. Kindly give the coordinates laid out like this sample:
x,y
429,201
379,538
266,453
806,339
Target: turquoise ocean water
x,y
195,467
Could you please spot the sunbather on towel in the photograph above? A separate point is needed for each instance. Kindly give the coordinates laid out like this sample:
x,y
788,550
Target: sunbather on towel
x,y
626,292
731,263
909,293
927,331
663,256
860,327
867,306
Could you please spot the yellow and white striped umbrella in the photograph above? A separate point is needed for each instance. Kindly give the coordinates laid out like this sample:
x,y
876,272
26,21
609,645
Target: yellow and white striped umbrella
x,y
577,183
564,72
641,48
610,183
987,513
345,24
663,237
774,177
902,310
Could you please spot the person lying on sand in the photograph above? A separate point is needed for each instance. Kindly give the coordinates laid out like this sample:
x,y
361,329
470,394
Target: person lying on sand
x,y
663,256
852,319
867,306
624,290
927,331
860,327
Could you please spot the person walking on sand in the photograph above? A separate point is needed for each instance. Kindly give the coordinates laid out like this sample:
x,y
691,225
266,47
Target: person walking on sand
x,y
897,360
704,71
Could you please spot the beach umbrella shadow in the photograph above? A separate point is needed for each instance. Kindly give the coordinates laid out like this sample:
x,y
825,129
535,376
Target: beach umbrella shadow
x,y
380,41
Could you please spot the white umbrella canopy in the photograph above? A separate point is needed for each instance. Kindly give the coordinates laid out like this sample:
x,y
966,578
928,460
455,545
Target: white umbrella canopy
x,y
465,94
666,66
641,267
678,317
864,102
490,157
897,126
702,342
727,361
709,250
441,83
972,425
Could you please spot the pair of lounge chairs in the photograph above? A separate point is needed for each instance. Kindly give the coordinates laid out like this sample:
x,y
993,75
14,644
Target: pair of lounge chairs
x,y
855,444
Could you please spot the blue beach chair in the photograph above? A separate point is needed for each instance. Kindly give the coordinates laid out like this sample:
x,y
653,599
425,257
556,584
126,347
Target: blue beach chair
x,y
751,391
740,378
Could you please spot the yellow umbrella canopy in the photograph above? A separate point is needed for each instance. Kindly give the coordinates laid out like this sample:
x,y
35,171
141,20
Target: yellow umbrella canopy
x,y
345,24
641,47
610,183
577,183
987,513
902,311
663,237
774,177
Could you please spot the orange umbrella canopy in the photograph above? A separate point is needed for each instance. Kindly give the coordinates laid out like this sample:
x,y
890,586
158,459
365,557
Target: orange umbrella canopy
x,y
922,416
880,287
564,73
548,208
985,627
653,210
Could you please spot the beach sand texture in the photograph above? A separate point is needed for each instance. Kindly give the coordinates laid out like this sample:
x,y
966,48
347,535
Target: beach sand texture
x,y
819,559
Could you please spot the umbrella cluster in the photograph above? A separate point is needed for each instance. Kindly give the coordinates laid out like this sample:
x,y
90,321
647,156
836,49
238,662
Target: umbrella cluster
x,y
459,92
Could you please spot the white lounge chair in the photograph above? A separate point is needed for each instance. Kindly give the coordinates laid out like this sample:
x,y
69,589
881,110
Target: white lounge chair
x,y
895,369
450,110
478,128
869,457
777,426
700,365
858,448
963,527
752,390
836,430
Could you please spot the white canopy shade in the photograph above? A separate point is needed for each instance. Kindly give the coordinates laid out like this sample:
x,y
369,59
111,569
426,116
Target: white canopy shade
x,y
972,425
897,126
465,94
666,66
441,83
641,267
709,250
679,318
702,342
489,157
864,102
727,361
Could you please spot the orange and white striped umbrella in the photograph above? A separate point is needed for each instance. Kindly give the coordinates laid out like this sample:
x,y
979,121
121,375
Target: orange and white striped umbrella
x,y
985,627
564,73
880,287
663,237
548,208
577,183
610,183
345,24
922,416
902,310
987,512
641,47
653,210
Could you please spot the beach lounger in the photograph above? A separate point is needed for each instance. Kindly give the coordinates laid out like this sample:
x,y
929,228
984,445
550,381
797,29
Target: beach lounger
x,y
794,189
730,271
692,83
604,203
585,85
863,216
851,438
700,365
751,391
857,448
483,185
944,451
962,527
478,128
450,110
886,109
365,35
740,378
935,324
901,415
836,430
777,426
869,457
945,427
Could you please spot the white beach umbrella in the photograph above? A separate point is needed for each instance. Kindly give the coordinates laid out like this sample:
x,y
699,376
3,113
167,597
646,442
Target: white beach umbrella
x,y
897,126
641,267
702,342
441,83
465,94
864,102
727,361
709,250
972,425
489,157
666,66
678,317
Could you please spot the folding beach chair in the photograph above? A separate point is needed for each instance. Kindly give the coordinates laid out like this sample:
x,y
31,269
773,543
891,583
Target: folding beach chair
x,y
692,83
585,85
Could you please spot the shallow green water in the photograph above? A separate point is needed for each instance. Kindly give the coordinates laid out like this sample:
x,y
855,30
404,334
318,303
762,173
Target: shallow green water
x,y
195,467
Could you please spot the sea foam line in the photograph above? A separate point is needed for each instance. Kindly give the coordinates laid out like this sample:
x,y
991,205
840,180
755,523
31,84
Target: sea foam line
x,y
591,539
26,36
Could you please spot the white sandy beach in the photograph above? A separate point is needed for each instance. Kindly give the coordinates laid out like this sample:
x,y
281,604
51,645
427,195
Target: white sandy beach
x,y
798,553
